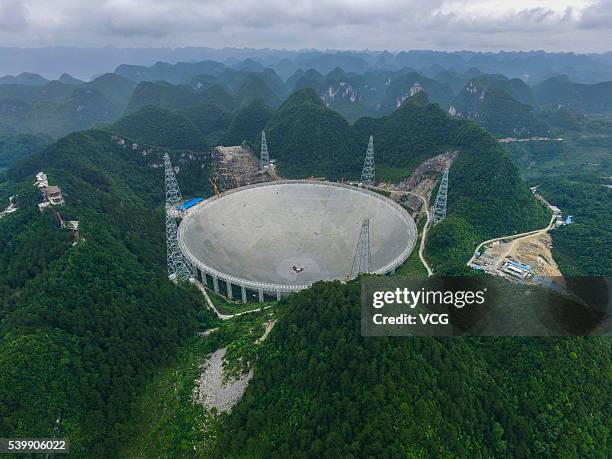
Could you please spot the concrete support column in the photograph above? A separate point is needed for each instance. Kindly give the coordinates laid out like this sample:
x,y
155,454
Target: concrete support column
x,y
261,297
278,295
243,292
215,284
230,294
392,271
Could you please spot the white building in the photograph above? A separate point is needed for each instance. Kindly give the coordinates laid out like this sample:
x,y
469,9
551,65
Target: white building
x,y
53,194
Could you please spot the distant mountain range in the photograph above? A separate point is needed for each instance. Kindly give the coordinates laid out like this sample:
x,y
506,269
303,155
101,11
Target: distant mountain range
x,y
583,98
57,108
356,86
531,66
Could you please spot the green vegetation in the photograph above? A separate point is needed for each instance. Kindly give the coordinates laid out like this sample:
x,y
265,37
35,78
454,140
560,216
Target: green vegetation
x,y
15,147
450,245
322,389
82,109
253,88
92,322
417,130
224,306
505,107
586,151
413,266
572,175
393,174
579,97
485,188
95,334
219,96
155,126
165,421
248,123
209,118
350,110
583,248
399,89
55,109
501,114
115,88
163,95
307,139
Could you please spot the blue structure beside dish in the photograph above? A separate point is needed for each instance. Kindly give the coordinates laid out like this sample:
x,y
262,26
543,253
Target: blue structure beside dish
x,y
189,204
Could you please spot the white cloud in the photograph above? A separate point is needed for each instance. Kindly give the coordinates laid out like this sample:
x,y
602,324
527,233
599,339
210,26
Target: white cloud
x,y
12,16
581,25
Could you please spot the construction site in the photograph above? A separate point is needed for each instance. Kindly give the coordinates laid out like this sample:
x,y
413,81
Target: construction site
x,y
236,166
524,258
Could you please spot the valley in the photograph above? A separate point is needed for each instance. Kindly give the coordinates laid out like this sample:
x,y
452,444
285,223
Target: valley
x,y
137,359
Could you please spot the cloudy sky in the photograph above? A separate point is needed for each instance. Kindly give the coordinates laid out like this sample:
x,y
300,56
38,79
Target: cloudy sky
x,y
555,25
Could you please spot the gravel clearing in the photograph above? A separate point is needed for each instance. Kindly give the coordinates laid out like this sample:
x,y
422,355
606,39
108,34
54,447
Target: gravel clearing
x,y
211,392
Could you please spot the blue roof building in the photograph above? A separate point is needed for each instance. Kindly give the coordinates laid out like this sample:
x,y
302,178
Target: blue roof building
x,y
189,204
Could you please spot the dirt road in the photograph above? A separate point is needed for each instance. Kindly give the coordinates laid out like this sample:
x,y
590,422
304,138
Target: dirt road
x,y
425,228
514,238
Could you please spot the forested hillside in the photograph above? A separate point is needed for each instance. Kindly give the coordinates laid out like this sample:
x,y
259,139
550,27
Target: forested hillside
x,y
57,108
323,390
486,193
309,139
589,98
500,113
15,147
162,128
211,119
163,95
248,123
583,248
83,326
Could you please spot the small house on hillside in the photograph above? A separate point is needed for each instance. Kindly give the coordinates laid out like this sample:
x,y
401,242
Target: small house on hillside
x,y
53,194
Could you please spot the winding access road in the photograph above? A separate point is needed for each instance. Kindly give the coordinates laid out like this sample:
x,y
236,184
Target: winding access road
x,y
424,234
213,308
514,238
425,228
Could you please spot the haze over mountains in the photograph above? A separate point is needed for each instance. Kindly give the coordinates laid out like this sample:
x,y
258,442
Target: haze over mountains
x,y
85,63
355,84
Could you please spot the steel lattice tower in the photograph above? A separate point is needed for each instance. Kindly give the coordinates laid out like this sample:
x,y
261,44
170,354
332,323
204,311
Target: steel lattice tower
x,y
265,157
362,262
439,210
368,175
178,269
